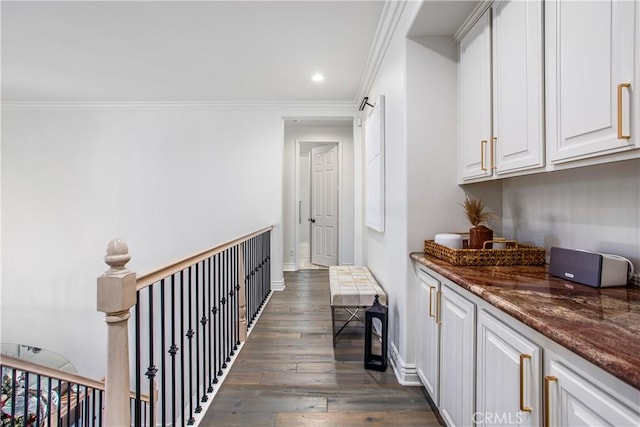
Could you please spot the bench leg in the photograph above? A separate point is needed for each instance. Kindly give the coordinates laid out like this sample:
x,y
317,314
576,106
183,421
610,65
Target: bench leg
x,y
333,325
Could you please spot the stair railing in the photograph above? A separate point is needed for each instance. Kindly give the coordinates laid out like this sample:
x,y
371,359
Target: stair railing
x,y
189,318
42,396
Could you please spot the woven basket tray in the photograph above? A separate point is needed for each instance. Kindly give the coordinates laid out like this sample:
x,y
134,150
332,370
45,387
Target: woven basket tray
x,y
515,255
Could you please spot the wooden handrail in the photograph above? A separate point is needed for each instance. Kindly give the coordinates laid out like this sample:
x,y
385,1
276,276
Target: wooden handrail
x,y
24,365
152,277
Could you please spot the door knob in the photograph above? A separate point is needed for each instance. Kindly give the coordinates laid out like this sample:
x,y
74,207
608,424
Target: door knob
x,y
311,220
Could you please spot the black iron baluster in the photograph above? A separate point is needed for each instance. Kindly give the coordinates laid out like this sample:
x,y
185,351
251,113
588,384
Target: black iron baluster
x,y
38,399
151,370
69,405
49,411
189,335
210,276
173,350
137,413
59,415
25,414
93,407
99,406
250,274
229,304
197,335
203,321
223,302
236,299
163,361
77,410
182,353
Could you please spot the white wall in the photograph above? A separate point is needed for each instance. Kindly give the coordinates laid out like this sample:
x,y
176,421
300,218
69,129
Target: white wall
x,y
595,208
319,133
170,181
433,193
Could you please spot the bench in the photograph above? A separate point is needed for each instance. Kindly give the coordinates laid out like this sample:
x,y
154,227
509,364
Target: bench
x,y
352,288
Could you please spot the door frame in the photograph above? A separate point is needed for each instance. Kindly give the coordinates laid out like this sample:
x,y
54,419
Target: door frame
x,y
296,184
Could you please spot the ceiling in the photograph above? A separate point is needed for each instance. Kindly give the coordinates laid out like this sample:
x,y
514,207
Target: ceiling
x,y
110,51
185,51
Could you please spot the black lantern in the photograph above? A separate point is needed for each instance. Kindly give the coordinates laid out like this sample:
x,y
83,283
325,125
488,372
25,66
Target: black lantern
x,y
375,337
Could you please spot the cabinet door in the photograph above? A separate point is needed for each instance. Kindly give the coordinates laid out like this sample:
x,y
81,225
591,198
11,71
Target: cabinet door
x,y
475,99
508,376
590,52
575,401
518,109
428,335
457,355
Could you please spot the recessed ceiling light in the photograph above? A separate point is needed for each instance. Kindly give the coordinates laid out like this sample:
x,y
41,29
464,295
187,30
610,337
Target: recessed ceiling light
x,y
317,77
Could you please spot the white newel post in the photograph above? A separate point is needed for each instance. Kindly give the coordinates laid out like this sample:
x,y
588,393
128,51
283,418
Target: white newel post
x,y
116,296
242,306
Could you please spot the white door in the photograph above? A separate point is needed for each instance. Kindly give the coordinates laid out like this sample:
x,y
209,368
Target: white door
x,y
324,205
518,133
575,401
475,99
429,335
508,376
457,344
590,59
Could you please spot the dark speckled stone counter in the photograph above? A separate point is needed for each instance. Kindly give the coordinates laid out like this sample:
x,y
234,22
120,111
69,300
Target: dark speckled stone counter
x,y
601,325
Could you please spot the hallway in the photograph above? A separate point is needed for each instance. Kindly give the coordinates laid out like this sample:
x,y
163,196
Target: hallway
x,y
289,374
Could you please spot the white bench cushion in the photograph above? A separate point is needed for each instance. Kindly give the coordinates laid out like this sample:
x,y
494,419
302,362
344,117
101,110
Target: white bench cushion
x,y
353,286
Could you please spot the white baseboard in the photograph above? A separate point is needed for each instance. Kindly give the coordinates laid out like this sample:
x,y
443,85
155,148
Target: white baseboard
x,y
406,374
289,266
277,285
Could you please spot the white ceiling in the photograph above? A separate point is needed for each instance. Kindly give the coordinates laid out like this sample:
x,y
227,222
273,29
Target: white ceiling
x,y
185,51
197,50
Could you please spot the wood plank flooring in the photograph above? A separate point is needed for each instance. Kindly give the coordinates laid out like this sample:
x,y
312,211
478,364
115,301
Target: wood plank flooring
x,y
289,374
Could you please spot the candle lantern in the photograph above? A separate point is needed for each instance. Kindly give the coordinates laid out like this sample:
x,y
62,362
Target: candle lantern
x,y
375,337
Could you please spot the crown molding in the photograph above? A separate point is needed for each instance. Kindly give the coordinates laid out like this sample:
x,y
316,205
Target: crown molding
x,y
479,10
387,25
290,107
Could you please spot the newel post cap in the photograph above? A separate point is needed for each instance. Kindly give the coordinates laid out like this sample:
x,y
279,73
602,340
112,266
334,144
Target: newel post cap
x,y
117,286
117,254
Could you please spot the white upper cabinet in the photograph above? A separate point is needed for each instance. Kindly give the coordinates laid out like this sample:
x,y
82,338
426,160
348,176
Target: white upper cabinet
x,y
518,91
475,99
501,91
592,98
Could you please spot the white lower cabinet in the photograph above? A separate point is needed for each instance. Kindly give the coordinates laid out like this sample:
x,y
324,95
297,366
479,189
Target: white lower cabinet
x,y
457,357
497,371
573,400
508,376
427,363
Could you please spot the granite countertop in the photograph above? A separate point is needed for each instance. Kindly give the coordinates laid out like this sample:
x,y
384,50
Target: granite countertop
x,y
600,324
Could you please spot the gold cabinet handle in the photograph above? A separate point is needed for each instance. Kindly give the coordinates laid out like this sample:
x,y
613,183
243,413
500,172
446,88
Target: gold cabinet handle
x,y
494,141
547,401
483,147
620,87
439,307
523,408
431,288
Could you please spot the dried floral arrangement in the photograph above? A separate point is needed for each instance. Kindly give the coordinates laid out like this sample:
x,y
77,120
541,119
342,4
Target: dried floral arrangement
x,y
474,211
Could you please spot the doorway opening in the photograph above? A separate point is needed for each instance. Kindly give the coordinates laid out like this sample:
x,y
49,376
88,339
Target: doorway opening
x,y
319,199
318,204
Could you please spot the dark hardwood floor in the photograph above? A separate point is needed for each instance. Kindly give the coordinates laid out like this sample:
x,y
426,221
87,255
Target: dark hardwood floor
x,y
289,374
